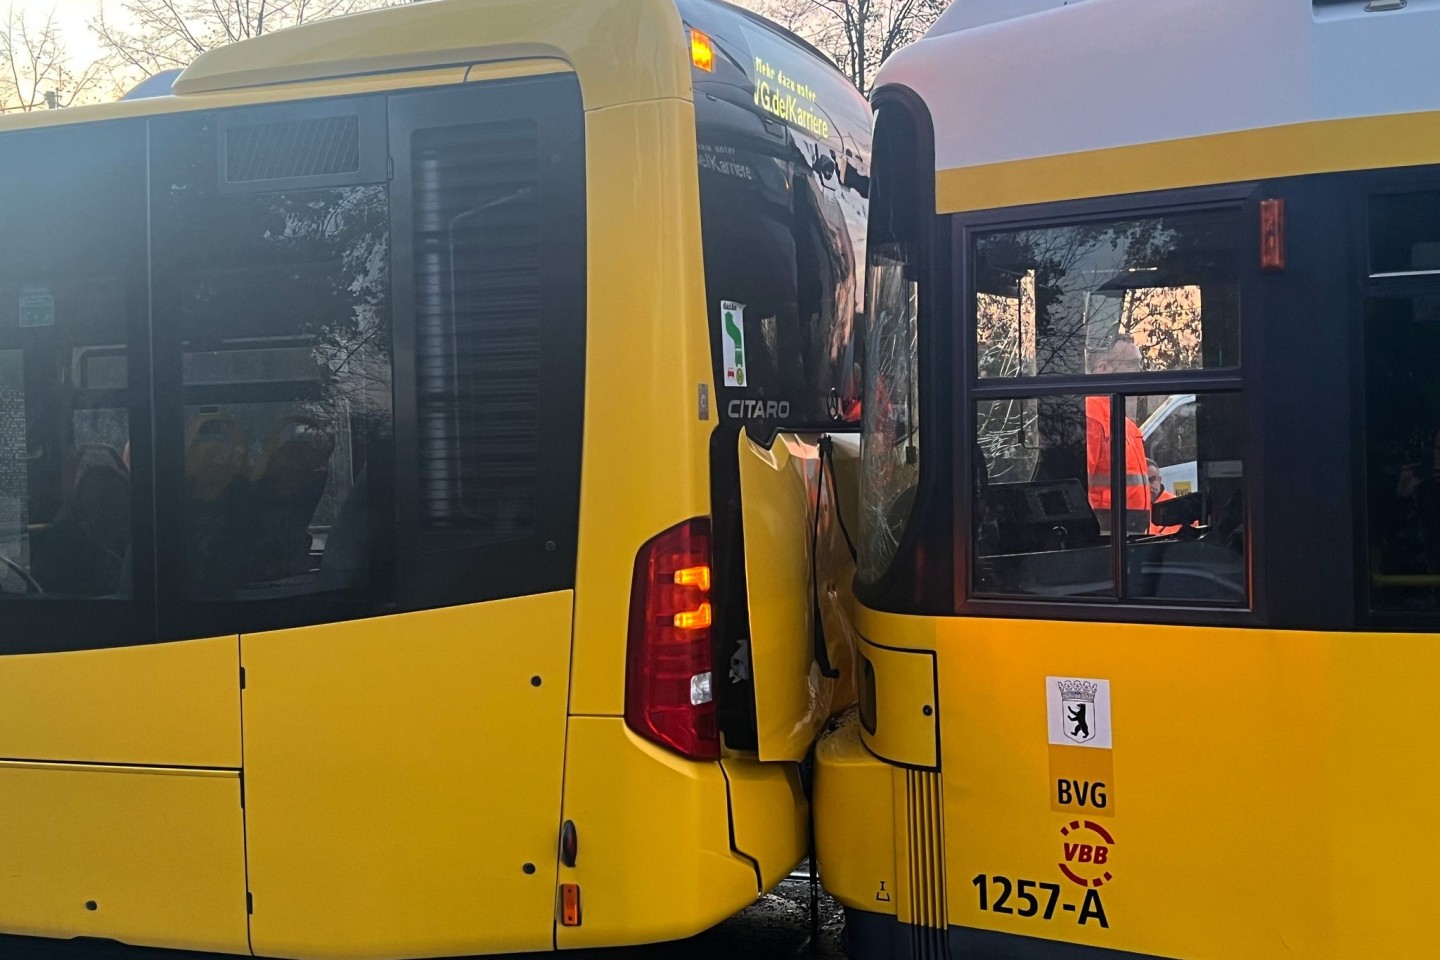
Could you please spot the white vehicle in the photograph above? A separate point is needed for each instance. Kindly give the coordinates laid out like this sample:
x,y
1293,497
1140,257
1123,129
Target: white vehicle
x,y
1169,435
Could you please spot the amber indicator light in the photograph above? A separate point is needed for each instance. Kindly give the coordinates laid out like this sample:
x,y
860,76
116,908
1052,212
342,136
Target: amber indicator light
x,y
702,52
1272,235
569,904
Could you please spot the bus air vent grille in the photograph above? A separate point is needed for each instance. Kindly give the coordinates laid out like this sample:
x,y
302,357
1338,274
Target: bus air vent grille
x,y
313,147
926,826
478,269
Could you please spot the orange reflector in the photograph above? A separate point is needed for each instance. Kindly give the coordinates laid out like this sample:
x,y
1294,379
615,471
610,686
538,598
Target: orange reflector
x,y
702,53
694,619
569,904
1272,235
698,577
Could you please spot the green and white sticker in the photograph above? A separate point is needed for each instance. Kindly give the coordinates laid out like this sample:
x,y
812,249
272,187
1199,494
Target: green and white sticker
x,y
37,306
732,334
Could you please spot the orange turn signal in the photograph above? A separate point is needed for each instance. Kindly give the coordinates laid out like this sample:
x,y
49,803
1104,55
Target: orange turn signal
x,y
569,904
698,577
702,52
694,619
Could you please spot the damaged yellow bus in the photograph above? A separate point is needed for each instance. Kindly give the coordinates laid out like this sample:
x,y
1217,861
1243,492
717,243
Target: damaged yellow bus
x,y
1193,727
409,467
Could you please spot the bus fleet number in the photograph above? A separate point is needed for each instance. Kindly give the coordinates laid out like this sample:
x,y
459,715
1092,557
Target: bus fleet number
x,y
1026,903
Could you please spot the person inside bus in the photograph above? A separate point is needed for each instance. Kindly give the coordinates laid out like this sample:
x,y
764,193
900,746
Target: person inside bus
x,y
1420,489
1118,355
1158,494
83,550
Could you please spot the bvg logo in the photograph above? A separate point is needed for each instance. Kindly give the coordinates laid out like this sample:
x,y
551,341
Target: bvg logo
x,y
1087,848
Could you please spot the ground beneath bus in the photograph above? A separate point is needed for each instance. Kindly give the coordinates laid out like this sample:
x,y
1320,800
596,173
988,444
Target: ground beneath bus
x,y
778,926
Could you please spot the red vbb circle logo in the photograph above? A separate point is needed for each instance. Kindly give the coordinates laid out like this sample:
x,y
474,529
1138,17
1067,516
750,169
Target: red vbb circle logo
x,y
1087,848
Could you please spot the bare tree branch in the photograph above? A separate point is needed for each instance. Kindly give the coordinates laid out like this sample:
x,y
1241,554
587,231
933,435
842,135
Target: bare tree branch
x,y
858,35
36,70
164,34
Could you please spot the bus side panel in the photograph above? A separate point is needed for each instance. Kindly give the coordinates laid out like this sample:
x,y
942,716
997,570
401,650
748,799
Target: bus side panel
x,y
769,815
1267,792
646,456
166,704
144,855
654,860
403,781
793,697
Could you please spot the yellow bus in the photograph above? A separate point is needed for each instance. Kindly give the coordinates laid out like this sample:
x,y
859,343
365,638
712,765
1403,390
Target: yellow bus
x,y
1209,230
408,471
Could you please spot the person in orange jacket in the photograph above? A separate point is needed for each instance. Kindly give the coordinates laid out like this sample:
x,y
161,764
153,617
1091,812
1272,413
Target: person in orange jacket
x,y
1122,356
1158,494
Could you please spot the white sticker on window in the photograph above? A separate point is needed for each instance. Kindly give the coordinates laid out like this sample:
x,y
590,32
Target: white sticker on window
x,y
1078,711
732,335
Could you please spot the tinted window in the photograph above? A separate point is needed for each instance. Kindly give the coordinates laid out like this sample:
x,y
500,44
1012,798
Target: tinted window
x,y
277,306
1051,301
71,294
1405,234
1119,492
489,229
784,149
1402,455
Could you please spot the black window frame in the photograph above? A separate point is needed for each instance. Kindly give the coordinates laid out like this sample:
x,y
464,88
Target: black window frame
x,y
1243,198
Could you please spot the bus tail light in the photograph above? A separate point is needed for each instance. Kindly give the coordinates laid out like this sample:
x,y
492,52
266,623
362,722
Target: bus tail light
x,y
668,695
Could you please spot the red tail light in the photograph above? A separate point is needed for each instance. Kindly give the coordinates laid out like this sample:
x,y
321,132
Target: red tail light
x,y
668,695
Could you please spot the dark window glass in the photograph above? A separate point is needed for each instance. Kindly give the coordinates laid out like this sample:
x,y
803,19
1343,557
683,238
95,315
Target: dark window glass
x,y
1056,300
1405,234
478,282
1402,455
71,292
1195,547
489,228
1044,500
275,309
1037,533
784,187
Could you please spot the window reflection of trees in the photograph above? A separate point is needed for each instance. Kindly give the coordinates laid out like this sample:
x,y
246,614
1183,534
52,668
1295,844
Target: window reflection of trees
x,y
1047,296
287,368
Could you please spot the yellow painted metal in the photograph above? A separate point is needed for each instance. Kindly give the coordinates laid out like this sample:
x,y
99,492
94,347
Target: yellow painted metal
x,y
905,706
175,704
625,51
1359,143
159,852
855,838
1271,792
769,815
655,861
646,456
400,774
793,698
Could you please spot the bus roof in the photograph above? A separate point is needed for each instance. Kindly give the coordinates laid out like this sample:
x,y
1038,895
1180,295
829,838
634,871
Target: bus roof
x,y
1096,75
602,40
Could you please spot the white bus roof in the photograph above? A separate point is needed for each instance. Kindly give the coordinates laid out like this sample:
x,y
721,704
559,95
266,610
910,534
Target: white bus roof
x,y
1014,80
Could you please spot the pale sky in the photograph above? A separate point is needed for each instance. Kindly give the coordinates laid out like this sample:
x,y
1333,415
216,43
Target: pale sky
x,y
72,16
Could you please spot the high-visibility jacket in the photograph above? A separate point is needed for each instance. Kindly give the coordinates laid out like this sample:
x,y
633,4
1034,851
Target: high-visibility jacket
x,y
1097,458
1164,531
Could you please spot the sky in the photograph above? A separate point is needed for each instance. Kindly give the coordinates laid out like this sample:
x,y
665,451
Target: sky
x,y
72,16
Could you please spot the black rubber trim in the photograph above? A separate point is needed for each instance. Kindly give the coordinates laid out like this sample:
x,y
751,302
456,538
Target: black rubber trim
x,y
873,936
